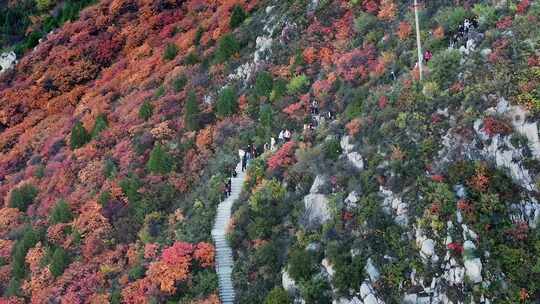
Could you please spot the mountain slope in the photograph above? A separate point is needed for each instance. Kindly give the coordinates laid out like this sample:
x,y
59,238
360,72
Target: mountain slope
x,y
118,132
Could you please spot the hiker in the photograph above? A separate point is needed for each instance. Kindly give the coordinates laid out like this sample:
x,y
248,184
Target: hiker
x,y
427,56
234,173
454,41
287,135
229,186
466,25
244,161
281,137
314,107
474,23
224,191
272,144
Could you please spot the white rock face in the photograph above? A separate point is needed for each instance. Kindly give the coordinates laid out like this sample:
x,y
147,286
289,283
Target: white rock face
x,y
318,184
393,202
372,271
287,282
354,300
473,268
428,248
7,60
328,267
346,145
473,265
316,209
356,159
351,200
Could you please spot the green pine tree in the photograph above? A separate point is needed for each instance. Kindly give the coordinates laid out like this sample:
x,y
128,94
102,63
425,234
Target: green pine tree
x,y
61,213
79,136
23,197
160,161
191,118
60,260
266,116
277,295
146,110
264,84
227,46
170,52
226,104
100,125
238,16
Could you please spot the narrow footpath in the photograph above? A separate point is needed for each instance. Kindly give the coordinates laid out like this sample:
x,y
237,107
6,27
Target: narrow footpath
x,y
224,257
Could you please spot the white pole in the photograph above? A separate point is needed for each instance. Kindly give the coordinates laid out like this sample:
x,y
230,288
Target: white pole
x,y
418,43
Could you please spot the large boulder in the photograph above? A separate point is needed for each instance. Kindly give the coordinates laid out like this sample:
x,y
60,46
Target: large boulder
x,y
316,208
287,282
7,60
318,184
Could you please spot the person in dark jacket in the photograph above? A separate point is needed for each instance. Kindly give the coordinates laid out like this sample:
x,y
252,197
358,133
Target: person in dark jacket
x,y
244,161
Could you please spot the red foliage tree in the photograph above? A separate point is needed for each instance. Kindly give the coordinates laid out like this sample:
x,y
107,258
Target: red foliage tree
x,y
283,158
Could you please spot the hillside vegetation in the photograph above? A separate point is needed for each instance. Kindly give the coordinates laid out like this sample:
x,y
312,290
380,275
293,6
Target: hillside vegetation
x,y
119,128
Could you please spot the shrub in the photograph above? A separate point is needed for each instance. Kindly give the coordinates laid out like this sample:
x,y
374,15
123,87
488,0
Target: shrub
x,y
444,67
60,260
191,59
279,89
146,110
364,22
264,84
23,197
301,266
238,16
136,272
171,50
99,125
198,36
160,161
487,15
227,46
79,136
266,116
332,149
277,295
226,104
297,84
451,17
44,4
18,255
61,213
191,118
179,82
160,91
316,291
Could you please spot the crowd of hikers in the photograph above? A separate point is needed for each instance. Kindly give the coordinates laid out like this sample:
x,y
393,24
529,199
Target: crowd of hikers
x,y
463,31
252,151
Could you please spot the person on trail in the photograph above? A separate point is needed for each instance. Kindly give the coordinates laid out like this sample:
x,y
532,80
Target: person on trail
x,y
466,25
427,56
224,191
281,137
474,23
314,107
287,135
229,186
234,173
272,144
244,161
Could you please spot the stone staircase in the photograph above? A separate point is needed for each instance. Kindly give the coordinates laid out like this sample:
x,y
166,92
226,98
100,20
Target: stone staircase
x,y
224,257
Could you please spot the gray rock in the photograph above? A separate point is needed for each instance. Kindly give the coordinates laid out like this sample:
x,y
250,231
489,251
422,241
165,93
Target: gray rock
x,y
316,209
7,60
318,184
